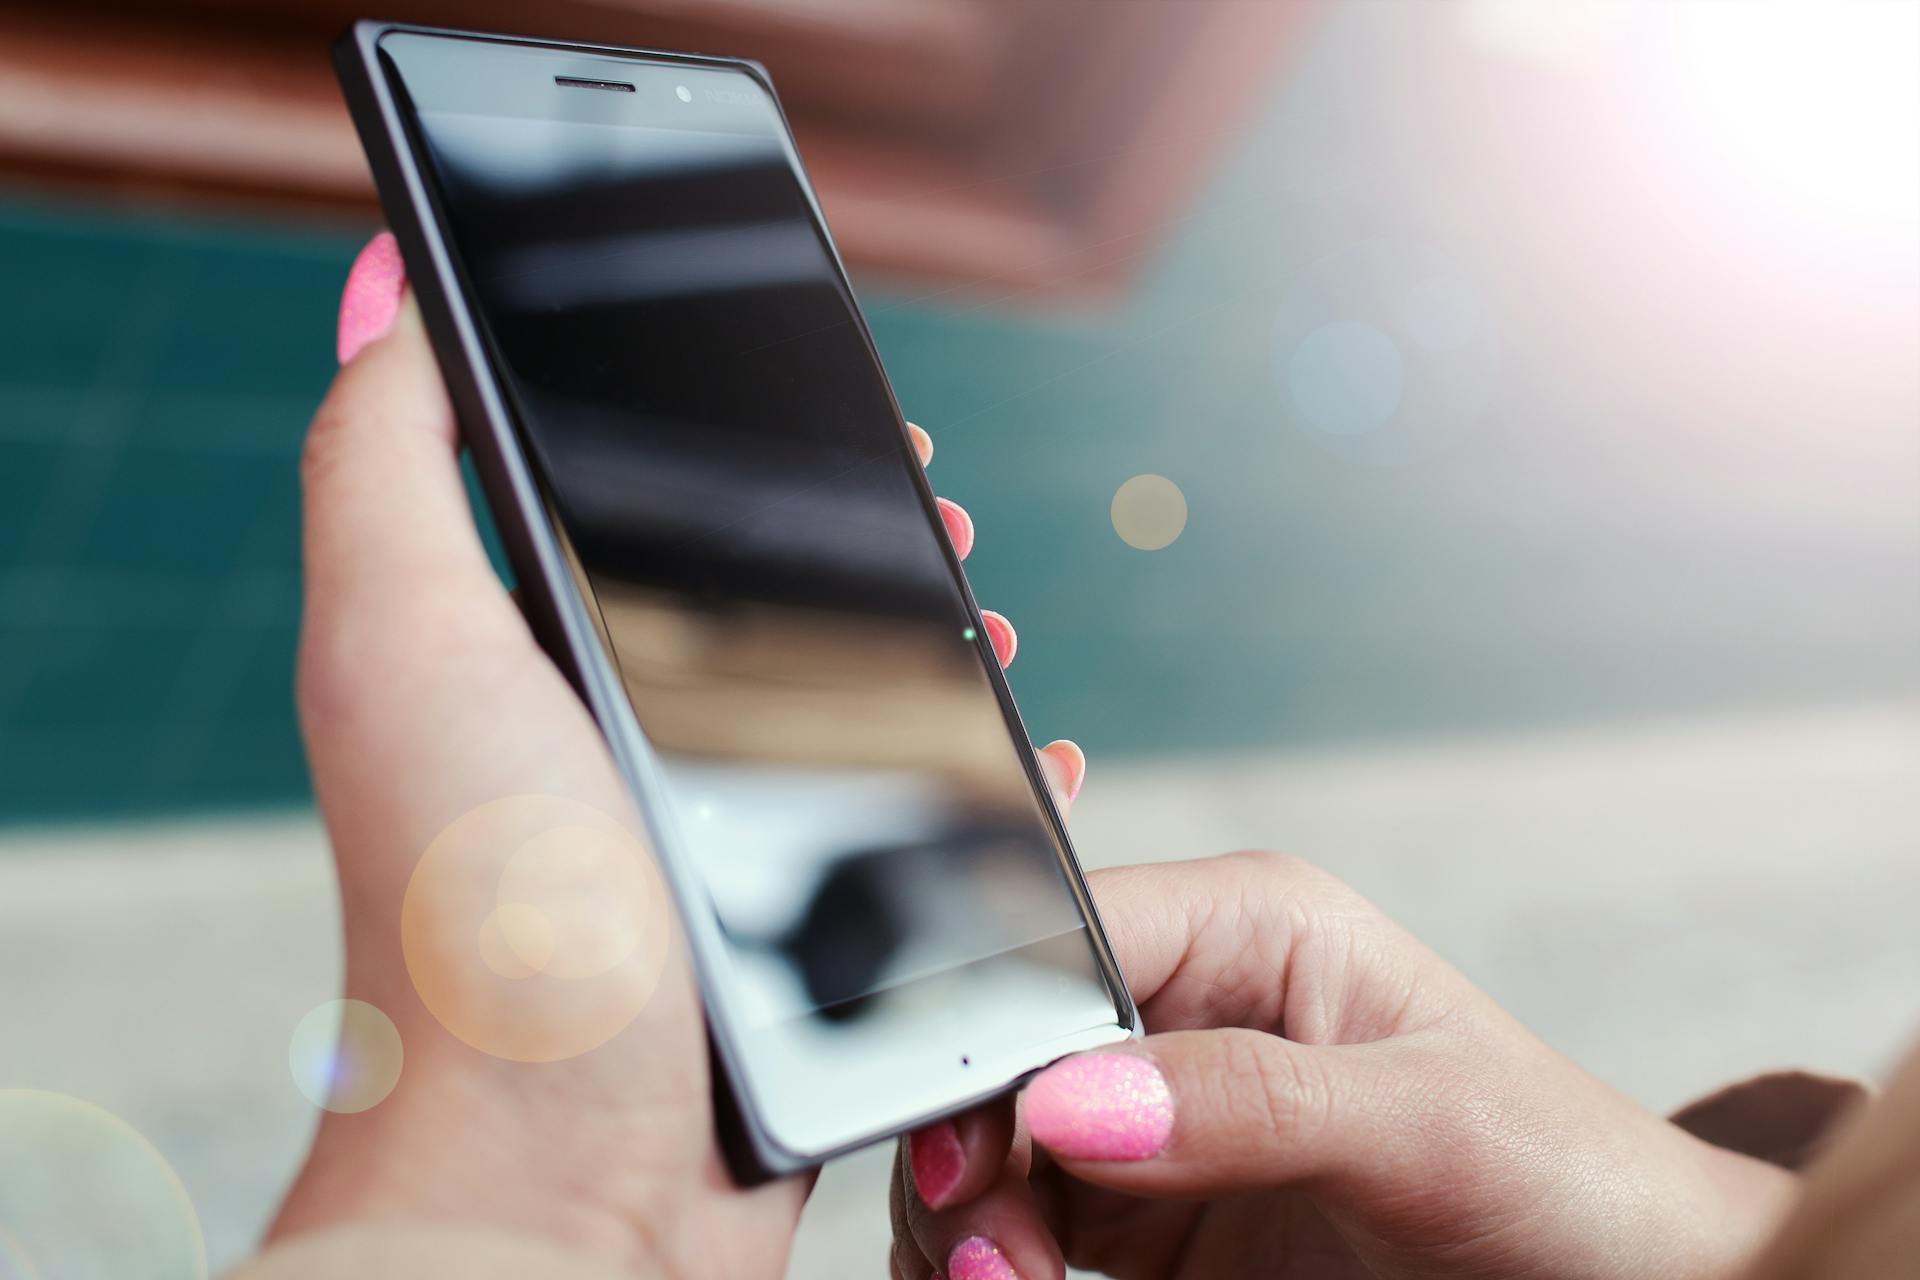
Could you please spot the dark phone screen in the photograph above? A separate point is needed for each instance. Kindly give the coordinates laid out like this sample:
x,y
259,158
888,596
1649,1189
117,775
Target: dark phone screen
x,y
722,454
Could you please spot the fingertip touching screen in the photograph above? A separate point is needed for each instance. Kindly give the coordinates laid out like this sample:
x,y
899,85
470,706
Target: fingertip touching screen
x,y
891,910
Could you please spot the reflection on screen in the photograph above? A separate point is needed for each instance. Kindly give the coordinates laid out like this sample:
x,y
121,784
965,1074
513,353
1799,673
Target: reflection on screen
x,y
727,467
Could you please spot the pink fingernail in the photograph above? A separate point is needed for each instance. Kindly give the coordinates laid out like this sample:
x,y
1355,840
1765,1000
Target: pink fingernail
x,y
1100,1106
959,525
1005,642
1067,765
978,1258
937,1160
371,298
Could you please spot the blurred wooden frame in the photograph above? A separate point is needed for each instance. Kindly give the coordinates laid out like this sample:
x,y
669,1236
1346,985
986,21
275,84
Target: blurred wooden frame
x,y
1017,149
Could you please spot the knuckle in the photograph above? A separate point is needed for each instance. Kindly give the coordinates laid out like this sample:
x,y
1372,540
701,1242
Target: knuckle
x,y
1275,1093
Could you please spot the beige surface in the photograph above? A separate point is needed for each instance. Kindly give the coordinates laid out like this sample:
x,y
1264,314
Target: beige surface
x,y
1672,903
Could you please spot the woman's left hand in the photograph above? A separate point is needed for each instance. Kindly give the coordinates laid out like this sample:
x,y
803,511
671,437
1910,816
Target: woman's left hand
x,y
427,706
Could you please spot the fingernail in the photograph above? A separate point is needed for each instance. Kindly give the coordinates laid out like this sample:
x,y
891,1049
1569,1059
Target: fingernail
x,y
937,1160
1000,632
978,1258
922,445
371,298
1100,1106
959,525
1066,765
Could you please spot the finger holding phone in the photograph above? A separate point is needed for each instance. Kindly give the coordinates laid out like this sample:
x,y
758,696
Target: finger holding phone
x,y
1318,1096
423,697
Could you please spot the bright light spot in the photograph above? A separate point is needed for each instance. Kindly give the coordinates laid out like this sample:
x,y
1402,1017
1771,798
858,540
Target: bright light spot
x,y
1346,378
1149,512
1553,31
83,1194
1814,106
683,93
968,634
345,1056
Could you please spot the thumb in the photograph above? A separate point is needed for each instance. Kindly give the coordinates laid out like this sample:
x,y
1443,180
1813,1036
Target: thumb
x,y
1204,1113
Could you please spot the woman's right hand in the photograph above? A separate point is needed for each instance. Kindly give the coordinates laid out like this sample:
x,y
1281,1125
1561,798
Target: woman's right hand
x,y
1319,1095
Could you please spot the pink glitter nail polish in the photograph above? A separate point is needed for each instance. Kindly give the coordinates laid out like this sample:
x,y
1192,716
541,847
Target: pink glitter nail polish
x,y
371,298
959,525
978,1258
1100,1106
937,1160
1006,642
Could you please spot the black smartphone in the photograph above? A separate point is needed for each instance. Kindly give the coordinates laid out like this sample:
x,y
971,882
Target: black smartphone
x,y
722,535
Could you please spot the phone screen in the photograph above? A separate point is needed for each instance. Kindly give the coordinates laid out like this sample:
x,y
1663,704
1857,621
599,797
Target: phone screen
x,y
721,453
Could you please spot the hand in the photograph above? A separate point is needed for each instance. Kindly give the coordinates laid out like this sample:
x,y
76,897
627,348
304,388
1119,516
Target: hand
x,y
1319,1096
424,699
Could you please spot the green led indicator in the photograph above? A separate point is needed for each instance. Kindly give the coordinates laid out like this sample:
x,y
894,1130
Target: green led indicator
x,y
967,634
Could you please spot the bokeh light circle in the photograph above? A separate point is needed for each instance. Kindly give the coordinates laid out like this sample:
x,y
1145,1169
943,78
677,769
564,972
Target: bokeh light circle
x,y
516,940
84,1195
1149,512
535,928
346,1056
1384,352
1346,378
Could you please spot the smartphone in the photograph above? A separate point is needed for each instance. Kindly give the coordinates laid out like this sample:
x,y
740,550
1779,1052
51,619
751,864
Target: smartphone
x,y
722,535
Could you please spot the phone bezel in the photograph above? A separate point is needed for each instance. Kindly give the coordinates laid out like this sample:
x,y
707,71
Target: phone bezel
x,y
558,614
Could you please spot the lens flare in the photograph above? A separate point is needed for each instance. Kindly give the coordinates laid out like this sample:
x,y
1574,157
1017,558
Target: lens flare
x,y
535,928
82,1194
1346,378
1384,352
516,940
345,1056
1149,512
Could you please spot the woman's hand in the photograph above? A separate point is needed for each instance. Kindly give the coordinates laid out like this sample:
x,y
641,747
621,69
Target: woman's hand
x,y
425,702
1320,1096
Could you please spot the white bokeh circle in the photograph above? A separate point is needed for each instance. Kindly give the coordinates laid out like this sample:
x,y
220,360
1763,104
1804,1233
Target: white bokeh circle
x,y
1384,352
83,1195
345,1056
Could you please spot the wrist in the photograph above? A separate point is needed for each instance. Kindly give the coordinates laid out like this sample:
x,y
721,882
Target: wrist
x,y
448,1153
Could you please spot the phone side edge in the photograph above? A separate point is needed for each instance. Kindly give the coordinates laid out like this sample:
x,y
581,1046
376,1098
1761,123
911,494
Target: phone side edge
x,y
751,1154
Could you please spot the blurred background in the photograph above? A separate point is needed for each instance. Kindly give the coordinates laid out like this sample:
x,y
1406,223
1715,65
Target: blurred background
x,y
1541,382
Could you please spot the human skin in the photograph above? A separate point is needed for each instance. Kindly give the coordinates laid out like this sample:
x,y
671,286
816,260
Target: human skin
x,y
1319,1096
423,697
